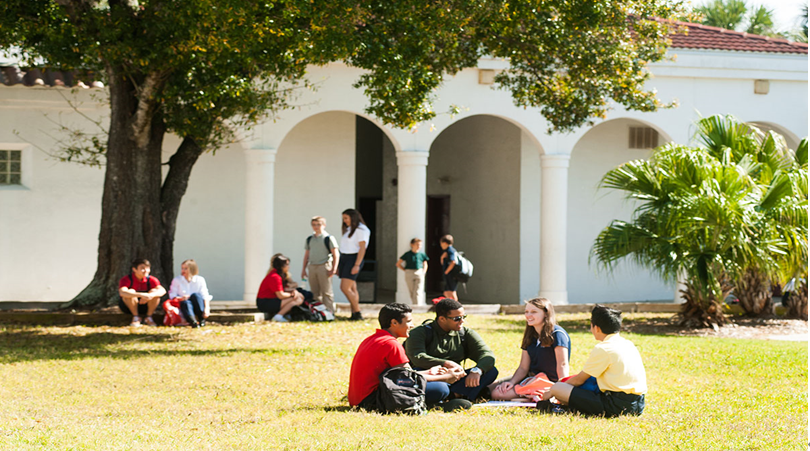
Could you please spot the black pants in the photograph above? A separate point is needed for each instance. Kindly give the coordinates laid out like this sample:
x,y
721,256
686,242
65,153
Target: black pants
x,y
143,309
607,403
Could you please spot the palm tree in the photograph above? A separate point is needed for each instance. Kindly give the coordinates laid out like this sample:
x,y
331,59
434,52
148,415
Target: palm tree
x,y
728,14
735,15
760,21
690,224
780,175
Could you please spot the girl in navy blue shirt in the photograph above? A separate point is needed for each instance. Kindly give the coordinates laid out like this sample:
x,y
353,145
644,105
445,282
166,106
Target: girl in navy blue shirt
x,y
546,349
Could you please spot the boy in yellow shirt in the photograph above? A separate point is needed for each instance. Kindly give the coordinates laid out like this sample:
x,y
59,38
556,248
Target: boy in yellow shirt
x,y
615,363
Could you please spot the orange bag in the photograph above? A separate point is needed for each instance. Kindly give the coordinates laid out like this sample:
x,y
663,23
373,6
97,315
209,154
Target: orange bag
x,y
534,386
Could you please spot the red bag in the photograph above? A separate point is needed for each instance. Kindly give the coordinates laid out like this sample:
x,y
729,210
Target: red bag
x,y
173,317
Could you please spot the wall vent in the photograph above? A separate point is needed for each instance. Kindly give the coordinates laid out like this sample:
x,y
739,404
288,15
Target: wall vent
x,y
643,138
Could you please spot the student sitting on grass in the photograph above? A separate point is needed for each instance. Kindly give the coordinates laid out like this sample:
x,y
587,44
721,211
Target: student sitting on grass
x,y
446,341
615,363
381,351
276,294
546,349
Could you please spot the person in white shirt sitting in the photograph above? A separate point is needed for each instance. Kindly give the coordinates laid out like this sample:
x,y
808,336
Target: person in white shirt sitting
x,y
192,292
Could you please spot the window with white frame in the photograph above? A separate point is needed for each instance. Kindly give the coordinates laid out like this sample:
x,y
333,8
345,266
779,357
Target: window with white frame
x,y
10,167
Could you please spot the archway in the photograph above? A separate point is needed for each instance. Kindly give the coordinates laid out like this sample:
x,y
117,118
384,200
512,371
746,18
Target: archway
x,y
327,163
790,138
474,193
602,148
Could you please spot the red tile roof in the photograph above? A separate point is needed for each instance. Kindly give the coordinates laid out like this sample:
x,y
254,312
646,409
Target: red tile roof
x,y
713,38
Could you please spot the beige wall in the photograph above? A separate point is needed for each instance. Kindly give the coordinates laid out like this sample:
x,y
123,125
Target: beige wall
x,y
49,226
600,150
481,157
211,223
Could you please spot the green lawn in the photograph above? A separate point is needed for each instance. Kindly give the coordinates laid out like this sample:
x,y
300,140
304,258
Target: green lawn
x,y
283,386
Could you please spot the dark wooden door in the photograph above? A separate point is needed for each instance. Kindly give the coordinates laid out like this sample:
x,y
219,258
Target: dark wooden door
x,y
438,225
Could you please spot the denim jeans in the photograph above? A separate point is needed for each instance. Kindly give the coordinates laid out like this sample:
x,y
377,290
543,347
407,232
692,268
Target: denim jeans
x,y
193,308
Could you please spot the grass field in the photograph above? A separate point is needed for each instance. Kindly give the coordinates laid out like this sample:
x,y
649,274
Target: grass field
x,y
283,386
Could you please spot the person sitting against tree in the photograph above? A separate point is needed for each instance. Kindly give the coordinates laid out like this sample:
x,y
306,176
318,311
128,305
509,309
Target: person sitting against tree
x,y
276,295
615,363
381,351
447,342
546,349
190,292
140,293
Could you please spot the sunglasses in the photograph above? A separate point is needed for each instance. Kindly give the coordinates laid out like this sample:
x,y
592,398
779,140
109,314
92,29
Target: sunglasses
x,y
456,318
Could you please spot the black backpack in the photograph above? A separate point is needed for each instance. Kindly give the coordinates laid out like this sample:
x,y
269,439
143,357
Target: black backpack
x,y
148,282
310,310
463,269
326,242
402,390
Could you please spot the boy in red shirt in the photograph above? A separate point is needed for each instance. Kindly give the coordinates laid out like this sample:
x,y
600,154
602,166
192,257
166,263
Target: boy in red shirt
x,y
381,351
140,293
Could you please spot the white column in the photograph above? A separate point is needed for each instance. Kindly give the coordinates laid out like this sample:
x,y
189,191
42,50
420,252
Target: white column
x,y
259,178
553,223
411,210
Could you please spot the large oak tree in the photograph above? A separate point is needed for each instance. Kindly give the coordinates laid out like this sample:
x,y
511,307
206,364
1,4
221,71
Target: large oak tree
x,y
201,69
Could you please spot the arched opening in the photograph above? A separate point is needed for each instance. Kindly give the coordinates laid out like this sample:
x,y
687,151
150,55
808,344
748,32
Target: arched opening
x,y
791,139
474,194
602,148
327,163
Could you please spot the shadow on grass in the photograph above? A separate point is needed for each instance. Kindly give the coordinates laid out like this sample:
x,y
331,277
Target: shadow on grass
x,y
33,345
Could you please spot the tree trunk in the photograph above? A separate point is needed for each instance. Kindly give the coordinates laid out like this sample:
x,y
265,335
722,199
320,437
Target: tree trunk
x,y
701,311
131,225
174,187
754,293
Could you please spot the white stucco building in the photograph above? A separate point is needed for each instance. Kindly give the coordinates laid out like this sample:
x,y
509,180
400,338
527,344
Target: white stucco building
x,y
522,204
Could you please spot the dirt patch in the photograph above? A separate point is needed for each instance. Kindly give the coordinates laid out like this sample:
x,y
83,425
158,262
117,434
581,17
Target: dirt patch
x,y
738,327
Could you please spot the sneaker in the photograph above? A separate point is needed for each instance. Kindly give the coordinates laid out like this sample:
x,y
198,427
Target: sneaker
x,y
456,404
356,316
202,322
279,319
194,324
136,321
558,409
149,321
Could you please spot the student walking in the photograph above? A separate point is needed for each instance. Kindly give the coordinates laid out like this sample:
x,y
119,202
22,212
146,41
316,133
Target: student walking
x,y
321,261
448,262
353,245
415,265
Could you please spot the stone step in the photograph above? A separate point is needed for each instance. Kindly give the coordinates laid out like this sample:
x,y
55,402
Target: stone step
x,y
35,318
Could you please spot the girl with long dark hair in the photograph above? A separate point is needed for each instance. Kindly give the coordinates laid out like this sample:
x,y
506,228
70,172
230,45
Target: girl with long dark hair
x,y
353,245
275,296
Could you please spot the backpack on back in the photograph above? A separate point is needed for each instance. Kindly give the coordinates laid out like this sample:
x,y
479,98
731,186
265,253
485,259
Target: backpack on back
x,y
463,269
326,242
402,390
